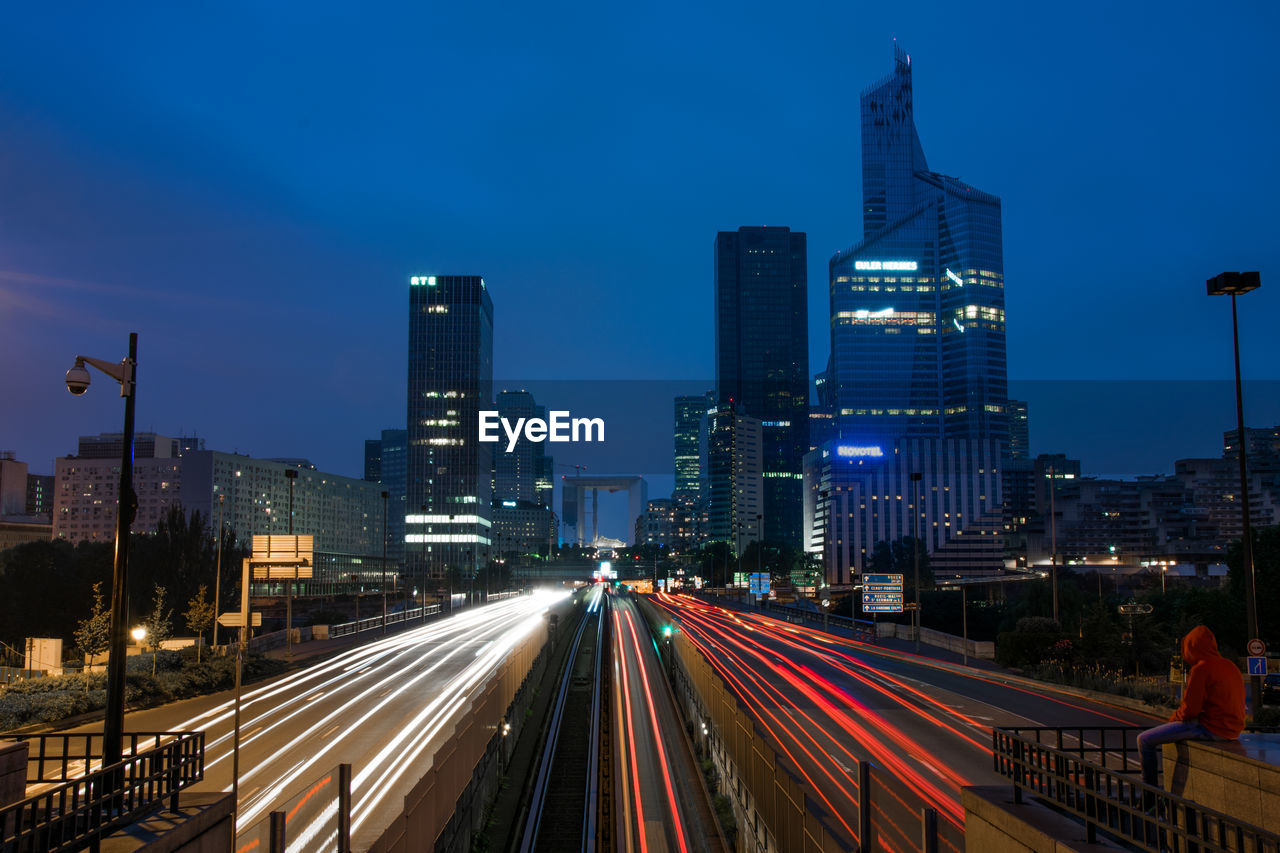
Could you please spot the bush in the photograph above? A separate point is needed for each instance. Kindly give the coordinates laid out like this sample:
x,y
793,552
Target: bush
x,y
47,700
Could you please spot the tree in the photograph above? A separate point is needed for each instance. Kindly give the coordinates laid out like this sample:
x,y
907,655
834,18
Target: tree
x,y
159,625
93,635
200,615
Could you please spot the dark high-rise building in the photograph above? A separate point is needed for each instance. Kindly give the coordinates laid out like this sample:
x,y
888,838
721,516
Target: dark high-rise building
x,y
762,358
373,460
1019,429
735,503
448,513
691,414
385,462
522,473
917,307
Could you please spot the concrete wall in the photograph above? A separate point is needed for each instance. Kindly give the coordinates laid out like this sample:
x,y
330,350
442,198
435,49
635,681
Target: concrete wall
x,y
993,822
1240,779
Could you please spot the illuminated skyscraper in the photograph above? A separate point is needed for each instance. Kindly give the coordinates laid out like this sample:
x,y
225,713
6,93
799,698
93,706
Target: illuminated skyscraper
x,y
690,420
917,307
448,489
762,359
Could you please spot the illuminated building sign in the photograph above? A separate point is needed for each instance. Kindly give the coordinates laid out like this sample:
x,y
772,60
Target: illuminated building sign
x,y
863,313
853,451
428,280
955,278
889,266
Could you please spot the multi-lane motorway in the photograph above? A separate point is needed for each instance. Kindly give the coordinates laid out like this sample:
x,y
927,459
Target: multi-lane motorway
x,y
825,703
382,707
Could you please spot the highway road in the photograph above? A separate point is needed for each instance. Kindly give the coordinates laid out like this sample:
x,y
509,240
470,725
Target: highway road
x,y
825,703
382,707
659,801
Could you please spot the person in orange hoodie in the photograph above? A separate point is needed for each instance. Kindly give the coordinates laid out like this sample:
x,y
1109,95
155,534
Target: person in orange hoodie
x,y
1212,704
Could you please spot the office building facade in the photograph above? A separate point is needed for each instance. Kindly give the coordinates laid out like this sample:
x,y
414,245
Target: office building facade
x,y
857,495
523,474
385,461
449,474
690,424
736,509
762,358
917,306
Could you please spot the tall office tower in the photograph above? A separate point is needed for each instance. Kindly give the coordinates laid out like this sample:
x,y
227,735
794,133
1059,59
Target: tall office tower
x,y
385,462
449,474
691,413
1019,429
736,501
762,358
373,460
516,475
917,307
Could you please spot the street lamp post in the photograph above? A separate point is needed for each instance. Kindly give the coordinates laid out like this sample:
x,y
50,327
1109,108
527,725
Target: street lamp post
x,y
217,575
385,495
125,372
290,474
1233,284
1053,537
915,546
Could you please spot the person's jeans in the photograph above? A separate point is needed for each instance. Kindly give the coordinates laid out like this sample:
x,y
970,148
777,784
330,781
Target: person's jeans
x,y
1150,741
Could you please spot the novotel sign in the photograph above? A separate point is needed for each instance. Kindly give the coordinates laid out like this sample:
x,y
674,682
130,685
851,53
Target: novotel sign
x,y
896,266
853,451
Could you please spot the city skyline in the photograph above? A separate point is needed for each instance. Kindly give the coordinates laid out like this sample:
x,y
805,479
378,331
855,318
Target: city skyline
x,y
78,276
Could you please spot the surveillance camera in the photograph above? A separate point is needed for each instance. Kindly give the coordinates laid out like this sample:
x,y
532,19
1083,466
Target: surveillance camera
x,y
78,379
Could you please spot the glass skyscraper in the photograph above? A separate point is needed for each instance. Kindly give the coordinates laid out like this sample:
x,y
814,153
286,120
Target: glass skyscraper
x,y
917,307
762,359
690,420
449,474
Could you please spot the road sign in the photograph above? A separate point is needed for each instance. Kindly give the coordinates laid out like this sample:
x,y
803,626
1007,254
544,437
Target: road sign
x,y
1135,609
1257,648
891,579
882,608
1257,666
759,583
881,587
282,556
882,598
233,620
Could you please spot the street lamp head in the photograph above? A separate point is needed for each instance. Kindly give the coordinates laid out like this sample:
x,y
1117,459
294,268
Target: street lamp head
x,y
78,378
139,634
1233,283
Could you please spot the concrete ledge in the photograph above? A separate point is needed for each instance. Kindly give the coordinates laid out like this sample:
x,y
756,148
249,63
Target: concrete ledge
x,y
993,822
1238,778
202,824
13,771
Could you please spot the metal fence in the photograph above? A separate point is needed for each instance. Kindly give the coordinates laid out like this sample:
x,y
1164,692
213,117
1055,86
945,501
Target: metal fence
x,y
1072,771
79,812
63,756
394,618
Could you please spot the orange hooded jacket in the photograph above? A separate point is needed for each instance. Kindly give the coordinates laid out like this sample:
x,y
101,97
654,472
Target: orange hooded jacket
x,y
1214,695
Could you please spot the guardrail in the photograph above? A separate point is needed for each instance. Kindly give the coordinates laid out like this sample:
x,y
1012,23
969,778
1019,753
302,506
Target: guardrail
x,y
68,755
77,814
317,817
346,628
1115,802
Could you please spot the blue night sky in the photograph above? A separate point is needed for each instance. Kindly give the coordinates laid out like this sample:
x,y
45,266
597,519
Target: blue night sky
x,y
249,186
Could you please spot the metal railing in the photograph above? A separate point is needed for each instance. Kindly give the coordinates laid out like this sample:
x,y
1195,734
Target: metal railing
x,y
1114,801
395,618
63,756
78,813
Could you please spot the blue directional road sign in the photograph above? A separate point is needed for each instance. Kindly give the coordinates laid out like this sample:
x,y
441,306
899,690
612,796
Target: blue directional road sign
x,y
889,579
881,608
1257,666
882,598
